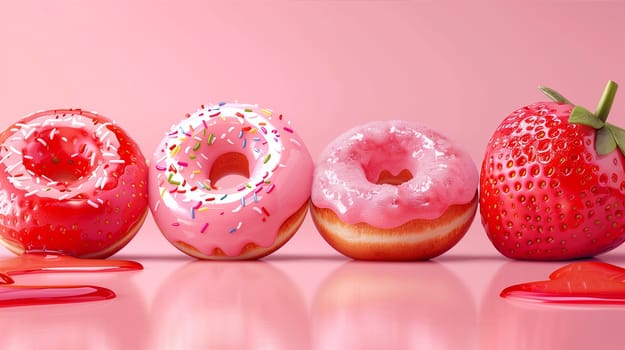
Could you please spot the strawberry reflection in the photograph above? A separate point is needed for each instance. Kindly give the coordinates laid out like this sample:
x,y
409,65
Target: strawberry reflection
x,y
229,305
119,323
513,324
366,305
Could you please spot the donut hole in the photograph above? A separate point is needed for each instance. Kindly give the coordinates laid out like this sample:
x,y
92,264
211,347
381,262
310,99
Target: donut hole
x,y
64,154
229,170
386,177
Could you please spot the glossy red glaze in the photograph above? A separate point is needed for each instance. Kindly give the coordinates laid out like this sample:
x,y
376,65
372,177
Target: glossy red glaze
x,y
590,282
18,295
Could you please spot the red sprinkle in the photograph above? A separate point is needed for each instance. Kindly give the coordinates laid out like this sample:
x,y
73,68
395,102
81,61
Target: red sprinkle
x,y
287,129
265,211
239,114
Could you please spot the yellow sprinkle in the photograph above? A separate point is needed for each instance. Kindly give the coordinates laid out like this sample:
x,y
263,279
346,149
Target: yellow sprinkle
x,y
163,192
197,171
253,130
203,209
266,112
175,151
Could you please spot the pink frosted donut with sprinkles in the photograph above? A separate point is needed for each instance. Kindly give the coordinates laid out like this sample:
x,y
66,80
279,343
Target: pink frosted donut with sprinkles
x,y
245,219
73,182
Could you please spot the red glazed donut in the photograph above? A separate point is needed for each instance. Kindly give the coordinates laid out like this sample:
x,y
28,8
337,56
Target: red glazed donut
x,y
72,182
247,220
393,191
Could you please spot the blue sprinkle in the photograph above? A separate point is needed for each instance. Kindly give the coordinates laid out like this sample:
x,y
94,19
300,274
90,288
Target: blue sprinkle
x,y
255,198
192,213
224,196
222,103
244,143
240,133
242,201
232,230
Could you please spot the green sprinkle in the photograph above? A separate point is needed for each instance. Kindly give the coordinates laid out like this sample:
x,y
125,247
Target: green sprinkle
x,y
248,110
171,180
267,158
197,146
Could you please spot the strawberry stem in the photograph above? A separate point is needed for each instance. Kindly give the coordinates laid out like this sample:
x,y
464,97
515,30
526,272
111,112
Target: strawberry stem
x,y
603,108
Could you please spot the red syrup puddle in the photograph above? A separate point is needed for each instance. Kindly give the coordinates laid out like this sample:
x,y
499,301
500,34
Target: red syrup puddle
x,y
16,295
589,282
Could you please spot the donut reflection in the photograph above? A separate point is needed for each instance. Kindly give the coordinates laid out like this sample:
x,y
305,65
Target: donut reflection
x,y
511,324
229,305
119,323
366,305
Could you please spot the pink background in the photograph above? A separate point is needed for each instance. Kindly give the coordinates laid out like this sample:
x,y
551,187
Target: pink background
x,y
328,65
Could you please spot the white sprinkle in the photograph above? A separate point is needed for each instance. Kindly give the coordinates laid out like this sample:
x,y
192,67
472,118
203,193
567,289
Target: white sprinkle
x,y
98,181
29,133
230,129
27,156
64,138
5,158
239,225
108,154
104,136
12,167
31,193
296,142
257,209
14,150
230,141
51,183
100,200
52,134
64,196
117,161
92,203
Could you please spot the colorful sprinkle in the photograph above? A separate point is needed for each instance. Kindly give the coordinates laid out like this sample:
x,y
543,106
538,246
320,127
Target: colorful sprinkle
x,y
287,129
203,229
267,158
271,187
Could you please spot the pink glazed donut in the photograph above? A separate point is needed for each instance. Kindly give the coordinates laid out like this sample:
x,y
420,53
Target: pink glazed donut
x,y
393,190
247,220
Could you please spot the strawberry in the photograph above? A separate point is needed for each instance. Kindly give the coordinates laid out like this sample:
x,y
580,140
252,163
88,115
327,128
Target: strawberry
x,y
552,183
71,182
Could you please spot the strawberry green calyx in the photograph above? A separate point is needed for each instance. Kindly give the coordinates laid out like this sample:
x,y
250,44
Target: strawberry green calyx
x,y
608,136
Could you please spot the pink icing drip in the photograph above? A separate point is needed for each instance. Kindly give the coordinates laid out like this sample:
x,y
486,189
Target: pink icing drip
x,y
274,191
346,175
